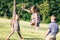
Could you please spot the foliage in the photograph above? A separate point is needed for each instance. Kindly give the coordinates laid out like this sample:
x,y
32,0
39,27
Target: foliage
x,y
47,8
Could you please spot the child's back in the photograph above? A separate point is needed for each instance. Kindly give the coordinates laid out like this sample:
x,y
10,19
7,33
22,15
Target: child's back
x,y
54,28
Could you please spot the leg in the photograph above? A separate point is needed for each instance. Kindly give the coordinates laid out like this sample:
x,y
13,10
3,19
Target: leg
x,y
50,37
53,38
37,25
20,36
47,37
9,35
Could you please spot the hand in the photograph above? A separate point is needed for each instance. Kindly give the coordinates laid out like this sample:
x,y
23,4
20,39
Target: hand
x,y
44,35
23,7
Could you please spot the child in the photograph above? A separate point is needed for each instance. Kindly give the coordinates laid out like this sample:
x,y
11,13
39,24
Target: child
x,y
35,17
15,27
52,29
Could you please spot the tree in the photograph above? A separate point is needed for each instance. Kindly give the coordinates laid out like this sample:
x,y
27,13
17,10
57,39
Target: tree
x,y
44,10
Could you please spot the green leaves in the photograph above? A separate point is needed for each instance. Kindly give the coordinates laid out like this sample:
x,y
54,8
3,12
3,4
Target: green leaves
x,y
46,7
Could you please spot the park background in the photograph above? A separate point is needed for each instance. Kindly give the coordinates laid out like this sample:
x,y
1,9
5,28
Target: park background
x,y
47,8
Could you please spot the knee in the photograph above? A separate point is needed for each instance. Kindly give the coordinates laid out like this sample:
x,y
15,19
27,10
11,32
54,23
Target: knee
x,y
12,31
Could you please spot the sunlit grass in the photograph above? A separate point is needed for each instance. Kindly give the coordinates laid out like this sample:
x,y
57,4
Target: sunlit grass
x,y
27,31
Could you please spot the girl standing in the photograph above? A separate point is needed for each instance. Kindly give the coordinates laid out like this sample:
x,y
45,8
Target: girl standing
x,y
15,27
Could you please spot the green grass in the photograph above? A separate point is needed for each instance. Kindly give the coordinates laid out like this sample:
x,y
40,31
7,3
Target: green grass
x,y
27,31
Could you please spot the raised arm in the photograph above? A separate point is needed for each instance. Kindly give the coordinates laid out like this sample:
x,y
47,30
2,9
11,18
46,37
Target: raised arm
x,y
26,9
12,22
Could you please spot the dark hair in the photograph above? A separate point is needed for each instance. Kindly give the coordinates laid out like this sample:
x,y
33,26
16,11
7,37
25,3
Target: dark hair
x,y
35,8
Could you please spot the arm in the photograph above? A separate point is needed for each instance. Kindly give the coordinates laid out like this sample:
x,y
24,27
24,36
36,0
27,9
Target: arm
x,y
12,22
25,9
57,30
47,32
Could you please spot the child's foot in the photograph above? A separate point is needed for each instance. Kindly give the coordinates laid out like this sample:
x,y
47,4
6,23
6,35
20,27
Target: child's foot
x,y
7,39
22,39
36,28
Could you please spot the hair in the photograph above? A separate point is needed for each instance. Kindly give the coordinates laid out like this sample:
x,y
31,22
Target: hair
x,y
54,17
35,8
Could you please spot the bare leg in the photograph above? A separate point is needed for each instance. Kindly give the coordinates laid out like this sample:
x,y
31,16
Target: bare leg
x,y
9,35
37,28
53,39
20,36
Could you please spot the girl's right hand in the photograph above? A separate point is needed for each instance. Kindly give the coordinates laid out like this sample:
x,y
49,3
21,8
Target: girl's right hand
x,y
24,7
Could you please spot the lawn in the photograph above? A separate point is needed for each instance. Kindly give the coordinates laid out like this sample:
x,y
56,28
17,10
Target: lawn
x,y
27,31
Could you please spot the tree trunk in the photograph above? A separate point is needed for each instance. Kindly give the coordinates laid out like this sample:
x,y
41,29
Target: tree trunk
x,y
5,15
43,19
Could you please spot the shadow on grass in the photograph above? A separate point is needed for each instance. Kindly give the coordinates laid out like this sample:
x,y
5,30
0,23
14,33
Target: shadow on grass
x,y
27,39
33,39
9,39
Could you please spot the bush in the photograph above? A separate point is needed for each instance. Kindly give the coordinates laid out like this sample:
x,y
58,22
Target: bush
x,y
59,22
47,20
26,17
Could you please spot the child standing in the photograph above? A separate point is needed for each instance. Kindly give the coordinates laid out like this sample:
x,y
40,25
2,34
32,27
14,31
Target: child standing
x,y
52,29
15,27
35,17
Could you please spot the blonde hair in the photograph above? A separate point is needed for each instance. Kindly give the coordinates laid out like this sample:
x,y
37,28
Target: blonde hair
x,y
53,17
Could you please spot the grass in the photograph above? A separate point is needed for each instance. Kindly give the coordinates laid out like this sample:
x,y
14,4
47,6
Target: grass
x,y
27,31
